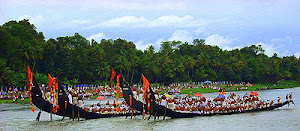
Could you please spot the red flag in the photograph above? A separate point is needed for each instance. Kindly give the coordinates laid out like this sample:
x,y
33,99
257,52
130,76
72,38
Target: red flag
x,y
50,81
29,82
113,74
146,85
29,77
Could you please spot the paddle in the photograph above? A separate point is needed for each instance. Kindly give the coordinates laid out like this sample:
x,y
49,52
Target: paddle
x,y
73,113
78,113
156,113
151,108
131,112
39,115
50,113
40,112
144,112
165,113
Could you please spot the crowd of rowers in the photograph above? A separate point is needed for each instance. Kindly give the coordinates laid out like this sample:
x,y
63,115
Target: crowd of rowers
x,y
200,105
106,108
203,105
76,97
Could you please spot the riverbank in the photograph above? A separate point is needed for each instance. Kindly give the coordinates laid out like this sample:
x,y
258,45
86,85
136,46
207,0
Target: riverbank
x,y
25,101
284,84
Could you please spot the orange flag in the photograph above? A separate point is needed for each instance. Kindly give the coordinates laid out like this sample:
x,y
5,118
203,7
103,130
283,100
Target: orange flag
x,y
117,86
32,109
130,100
146,85
113,74
50,81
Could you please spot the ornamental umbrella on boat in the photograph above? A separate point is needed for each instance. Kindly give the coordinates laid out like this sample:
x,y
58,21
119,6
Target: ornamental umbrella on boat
x,y
100,98
220,96
177,96
253,93
222,93
207,82
198,95
167,95
190,94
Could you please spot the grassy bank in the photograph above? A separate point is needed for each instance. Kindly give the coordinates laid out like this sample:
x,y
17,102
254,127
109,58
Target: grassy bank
x,y
26,101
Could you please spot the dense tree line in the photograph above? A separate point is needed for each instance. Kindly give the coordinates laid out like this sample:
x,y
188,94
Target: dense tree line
x,y
74,59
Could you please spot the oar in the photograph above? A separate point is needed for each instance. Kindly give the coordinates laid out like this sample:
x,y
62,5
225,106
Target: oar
x,y
38,116
151,108
126,115
40,112
131,112
143,112
156,113
78,113
165,113
261,97
50,114
293,102
73,113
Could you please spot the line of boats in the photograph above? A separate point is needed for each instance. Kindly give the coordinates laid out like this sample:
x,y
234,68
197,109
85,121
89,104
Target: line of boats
x,y
154,109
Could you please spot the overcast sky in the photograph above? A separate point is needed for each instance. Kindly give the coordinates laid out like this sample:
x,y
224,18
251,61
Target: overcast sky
x,y
275,24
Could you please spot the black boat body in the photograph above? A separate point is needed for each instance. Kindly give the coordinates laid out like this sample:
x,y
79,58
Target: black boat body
x,y
75,111
159,110
70,109
40,102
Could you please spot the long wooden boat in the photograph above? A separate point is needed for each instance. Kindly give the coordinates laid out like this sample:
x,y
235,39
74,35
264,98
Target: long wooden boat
x,y
67,110
159,110
40,102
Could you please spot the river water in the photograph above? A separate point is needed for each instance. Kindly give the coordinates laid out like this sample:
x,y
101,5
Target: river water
x,y
20,117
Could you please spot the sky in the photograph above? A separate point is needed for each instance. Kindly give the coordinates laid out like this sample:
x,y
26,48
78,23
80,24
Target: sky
x,y
230,24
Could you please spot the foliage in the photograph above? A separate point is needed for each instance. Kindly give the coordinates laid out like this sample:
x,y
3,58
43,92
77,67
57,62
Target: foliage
x,y
75,60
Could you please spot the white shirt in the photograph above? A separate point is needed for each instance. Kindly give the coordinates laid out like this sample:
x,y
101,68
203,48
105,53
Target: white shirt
x,y
163,102
70,99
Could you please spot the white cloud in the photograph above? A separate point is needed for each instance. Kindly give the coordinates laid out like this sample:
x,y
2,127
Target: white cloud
x,y
33,20
200,30
217,40
286,39
297,54
97,37
270,49
277,45
74,23
181,35
132,5
141,46
172,20
163,21
124,21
